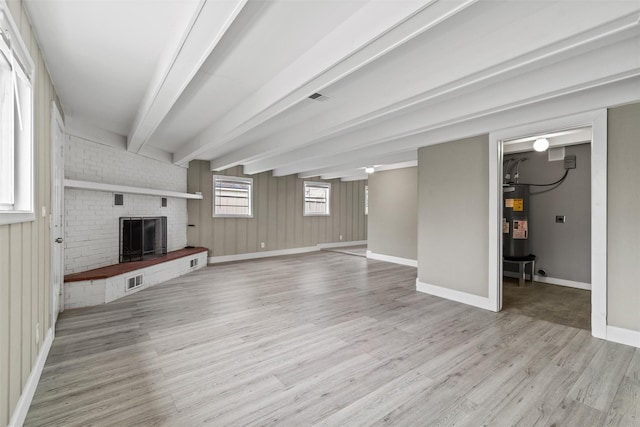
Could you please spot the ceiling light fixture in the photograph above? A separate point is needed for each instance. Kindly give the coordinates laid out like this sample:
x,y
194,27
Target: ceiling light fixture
x,y
541,144
369,169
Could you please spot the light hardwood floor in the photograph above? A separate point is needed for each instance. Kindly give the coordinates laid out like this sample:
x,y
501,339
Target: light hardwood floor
x,y
327,339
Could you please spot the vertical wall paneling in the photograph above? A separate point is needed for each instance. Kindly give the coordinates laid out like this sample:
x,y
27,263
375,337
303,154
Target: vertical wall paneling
x,y
4,324
24,248
278,214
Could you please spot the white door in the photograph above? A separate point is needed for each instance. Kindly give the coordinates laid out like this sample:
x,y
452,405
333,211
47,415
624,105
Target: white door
x,y
57,213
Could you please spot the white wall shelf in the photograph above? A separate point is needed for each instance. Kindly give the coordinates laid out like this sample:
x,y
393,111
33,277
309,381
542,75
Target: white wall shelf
x,y
99,186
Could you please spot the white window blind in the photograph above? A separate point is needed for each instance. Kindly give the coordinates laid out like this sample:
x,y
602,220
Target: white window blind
x,y
232,196
316,198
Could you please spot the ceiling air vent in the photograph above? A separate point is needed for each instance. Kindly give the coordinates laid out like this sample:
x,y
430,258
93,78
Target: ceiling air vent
x,y
318,97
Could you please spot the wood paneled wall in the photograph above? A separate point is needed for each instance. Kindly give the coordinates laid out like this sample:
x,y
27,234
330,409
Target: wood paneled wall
x,y
278,218
24,249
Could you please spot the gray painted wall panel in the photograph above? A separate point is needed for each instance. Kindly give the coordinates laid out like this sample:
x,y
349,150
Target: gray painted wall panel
x,y
278,218
453,206
623,217
393,213
25,249
563,250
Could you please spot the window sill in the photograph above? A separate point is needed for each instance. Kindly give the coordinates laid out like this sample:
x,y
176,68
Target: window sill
x,y
8,217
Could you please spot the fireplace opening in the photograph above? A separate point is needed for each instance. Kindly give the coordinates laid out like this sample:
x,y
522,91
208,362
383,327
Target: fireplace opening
x,y
142,238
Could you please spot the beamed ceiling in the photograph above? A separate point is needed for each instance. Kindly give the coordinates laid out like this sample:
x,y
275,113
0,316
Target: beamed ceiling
x,y
230,81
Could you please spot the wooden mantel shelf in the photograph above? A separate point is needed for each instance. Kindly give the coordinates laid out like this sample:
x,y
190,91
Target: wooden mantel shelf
x,y
114,188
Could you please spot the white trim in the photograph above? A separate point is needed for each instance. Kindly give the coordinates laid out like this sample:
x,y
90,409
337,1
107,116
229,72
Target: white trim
x,y
394,259
553,281
453,295
56,121
598,121
265,254
240,179
22,407
623,336
342,244
113,188
281,252
329,194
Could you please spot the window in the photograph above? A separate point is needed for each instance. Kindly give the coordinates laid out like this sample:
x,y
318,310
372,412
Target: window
x,y
232,196
16,136
366,200
316,198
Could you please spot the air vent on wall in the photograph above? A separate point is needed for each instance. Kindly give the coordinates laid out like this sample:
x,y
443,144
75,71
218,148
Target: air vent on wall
x,y
118,199
134,282
194,262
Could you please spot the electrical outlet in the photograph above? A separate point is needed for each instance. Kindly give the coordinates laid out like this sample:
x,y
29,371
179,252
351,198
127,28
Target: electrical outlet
x,y
570,162
341,237
37,333
560,219
262,245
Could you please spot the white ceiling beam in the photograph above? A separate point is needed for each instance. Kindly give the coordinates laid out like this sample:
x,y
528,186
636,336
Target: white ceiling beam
x,y
336,168
615,93
209,23
378,168
360,177
417,24
359,40
583,71
279,150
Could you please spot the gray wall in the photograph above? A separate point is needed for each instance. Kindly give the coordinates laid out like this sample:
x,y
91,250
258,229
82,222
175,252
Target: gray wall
x,y
623,217
453,209
393,213
563,250
25,287
278,218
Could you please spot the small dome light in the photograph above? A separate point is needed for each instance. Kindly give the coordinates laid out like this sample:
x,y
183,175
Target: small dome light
x,y
369,169
541,144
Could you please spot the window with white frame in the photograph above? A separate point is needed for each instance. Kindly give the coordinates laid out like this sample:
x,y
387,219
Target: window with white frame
x,y
16,121
232,196
316,198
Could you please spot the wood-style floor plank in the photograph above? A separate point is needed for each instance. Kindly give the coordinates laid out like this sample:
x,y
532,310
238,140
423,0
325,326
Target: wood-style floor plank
x,y
328,339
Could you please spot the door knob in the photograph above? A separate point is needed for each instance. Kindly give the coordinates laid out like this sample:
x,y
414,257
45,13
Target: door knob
x,y
59,240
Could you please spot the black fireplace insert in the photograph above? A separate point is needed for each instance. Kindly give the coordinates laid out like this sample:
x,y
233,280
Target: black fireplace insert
x,y
142,238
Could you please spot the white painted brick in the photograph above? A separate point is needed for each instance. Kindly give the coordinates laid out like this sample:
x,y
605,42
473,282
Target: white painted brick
x,y
91,219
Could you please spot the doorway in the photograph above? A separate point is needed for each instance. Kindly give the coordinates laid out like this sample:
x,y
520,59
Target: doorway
x,y
57,214
597,121
547,219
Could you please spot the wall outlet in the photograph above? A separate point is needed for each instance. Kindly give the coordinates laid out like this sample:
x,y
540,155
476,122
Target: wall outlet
x,y
37,333
341,237
262,245
560,219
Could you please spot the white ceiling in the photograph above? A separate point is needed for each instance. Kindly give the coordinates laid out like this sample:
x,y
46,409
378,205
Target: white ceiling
x,y
228,80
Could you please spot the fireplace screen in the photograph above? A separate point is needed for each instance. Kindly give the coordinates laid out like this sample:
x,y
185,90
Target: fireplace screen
x,y
142,238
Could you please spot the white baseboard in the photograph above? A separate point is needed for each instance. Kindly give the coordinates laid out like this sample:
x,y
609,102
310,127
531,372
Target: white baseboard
x,y
552,281
394,259
453,295
265,254
623,336
280,252
342,244
22,407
